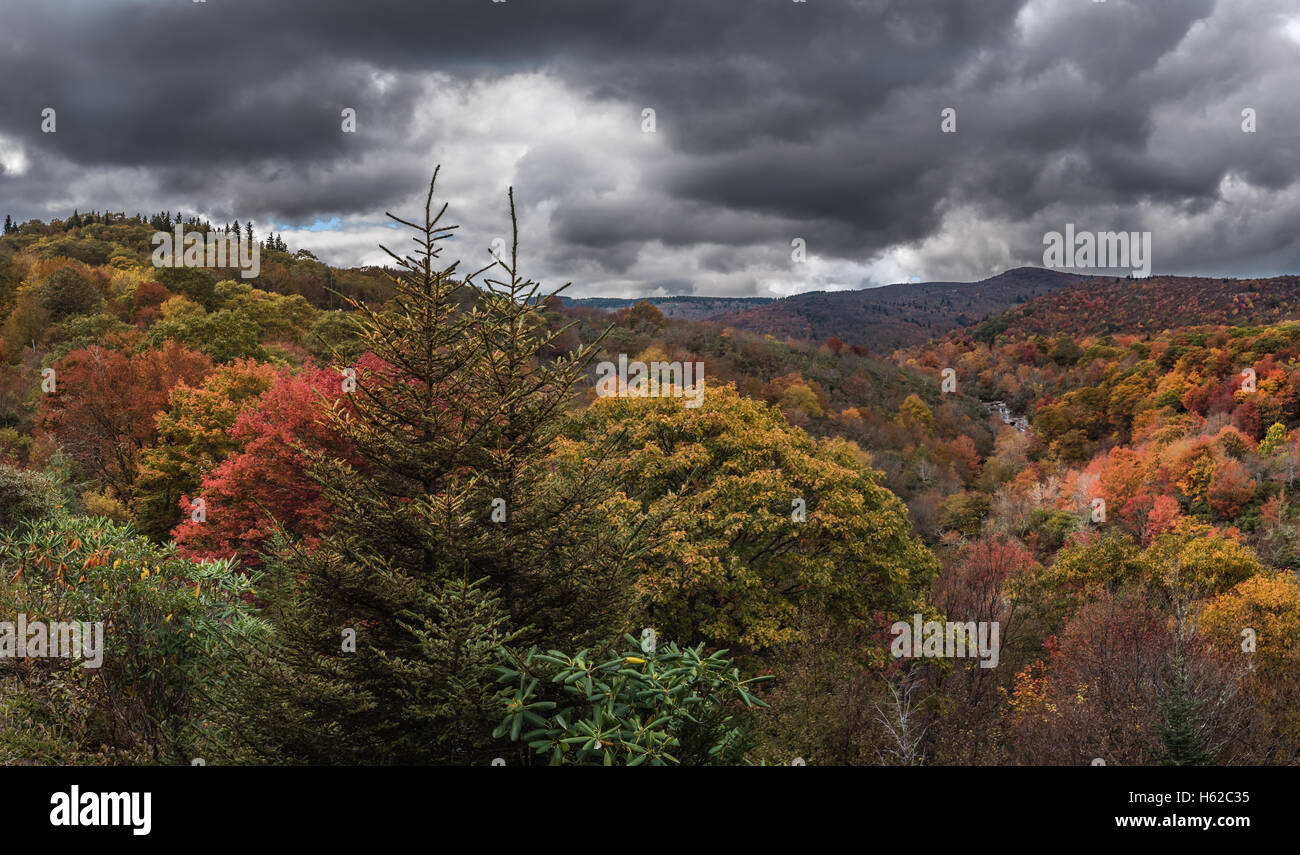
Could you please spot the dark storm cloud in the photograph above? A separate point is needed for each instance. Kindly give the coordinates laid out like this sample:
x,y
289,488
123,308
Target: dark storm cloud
x,y
775,120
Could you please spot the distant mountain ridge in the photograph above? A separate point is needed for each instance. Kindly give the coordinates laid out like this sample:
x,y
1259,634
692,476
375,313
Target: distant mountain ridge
x,y
880,319
687,308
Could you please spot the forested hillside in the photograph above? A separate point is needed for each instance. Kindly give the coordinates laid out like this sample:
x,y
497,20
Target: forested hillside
x,y
1100,305
323,536
896,315
383,516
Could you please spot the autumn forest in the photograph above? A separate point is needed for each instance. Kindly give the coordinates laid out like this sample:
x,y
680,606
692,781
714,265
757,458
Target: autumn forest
x,y
382,515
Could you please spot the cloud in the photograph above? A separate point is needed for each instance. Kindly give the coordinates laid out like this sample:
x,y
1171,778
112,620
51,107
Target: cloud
x,y
774,121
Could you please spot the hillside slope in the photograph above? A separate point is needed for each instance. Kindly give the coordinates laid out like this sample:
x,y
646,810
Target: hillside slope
x,y
1102,305
897,315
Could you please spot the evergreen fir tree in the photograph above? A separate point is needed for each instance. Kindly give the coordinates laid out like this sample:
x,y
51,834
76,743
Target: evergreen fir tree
x,y
454,533
1179,728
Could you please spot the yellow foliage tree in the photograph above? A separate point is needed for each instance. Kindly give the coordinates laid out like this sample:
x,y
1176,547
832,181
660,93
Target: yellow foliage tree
x,y
760,521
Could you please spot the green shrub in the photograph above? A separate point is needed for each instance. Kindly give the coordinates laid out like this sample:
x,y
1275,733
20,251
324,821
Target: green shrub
x,y
666,707
25,495
168,626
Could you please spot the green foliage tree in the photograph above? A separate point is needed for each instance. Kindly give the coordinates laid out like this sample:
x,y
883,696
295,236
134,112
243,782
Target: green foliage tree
x,y
224,335
284,317
194,282
81,331
69,291
334,335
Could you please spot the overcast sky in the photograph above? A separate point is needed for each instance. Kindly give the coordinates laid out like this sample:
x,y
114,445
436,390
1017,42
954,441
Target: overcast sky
x,y
774,120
